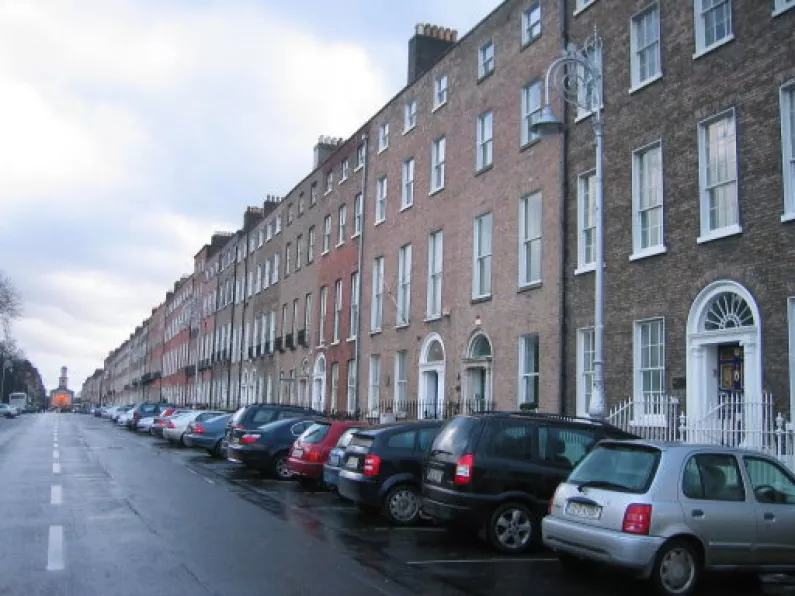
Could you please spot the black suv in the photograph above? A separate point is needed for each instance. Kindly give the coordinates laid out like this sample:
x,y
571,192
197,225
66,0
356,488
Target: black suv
x,y
497,472
255,415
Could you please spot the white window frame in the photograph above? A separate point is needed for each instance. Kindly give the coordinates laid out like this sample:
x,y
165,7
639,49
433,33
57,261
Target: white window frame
x,y
403,311
342,216
351,385
360,157
525,342
700,28
782,6
708,234
287,258
326,234
586,180
482,255
787,94
374,379
307,315
584,374
438,157
644,412
344,168
383,137
653,47
329,182
296,310
484,154
594,55
401,380
407,195
353,324
639,157
410,116
382,189
487,59
530,111
529,23
530,239
310,244
336,333
358,212
433,298
440,91
335,385
321,335
582,5
377,302
299,251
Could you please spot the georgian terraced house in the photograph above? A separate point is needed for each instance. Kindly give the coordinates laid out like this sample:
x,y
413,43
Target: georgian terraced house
x,y
442,257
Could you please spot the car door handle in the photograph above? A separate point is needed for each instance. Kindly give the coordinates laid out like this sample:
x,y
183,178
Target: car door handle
x,y
769,516
697,513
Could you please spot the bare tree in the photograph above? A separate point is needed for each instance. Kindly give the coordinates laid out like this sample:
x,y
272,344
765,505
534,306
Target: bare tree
x,y
10,304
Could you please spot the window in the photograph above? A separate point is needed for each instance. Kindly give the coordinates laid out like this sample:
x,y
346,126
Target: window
x,y
299,251
383,137
335,385
486,59
585,357
481,275
564,447
410,116
301,205
380,200
358,206
278,225
342,213
284,319
528,370
713,477
326,234
485,137
275,269
769,481
788,147
401,379
439,91
437,164
404,285
645,46
433,306
780,6
650,364
530,239
344,171
531,23
308,315
377,307
582,5
289,214
586,216
329,181
354,322
310,245
295,318
287,258
713,23
717,170
352,405
510,440
313,194
531,110
590,92
360,155
408,184
321,332
375,381
337,311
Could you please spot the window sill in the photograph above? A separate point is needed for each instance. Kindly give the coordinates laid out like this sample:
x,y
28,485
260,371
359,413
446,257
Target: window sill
x,y
484,169
336,342
379,222
530,143
713,47
590,268
325,194
356,235
732,230
402,326
340,244
374,332
529,42
788,217
583,9
438,107
585,115
351,339
782,10
480,299
406,207
357,168
382,149
408,130
529,286
324,253
341,181
435,191
485,76
321,345
648,252
646,83
432,318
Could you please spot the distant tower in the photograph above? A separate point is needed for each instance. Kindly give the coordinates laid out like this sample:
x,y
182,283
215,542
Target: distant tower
x,y
62,379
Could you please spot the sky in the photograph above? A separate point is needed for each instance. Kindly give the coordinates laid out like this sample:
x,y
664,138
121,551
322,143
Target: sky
x,y
130,130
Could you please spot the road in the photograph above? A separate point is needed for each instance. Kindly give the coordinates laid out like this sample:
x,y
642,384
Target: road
x,y
88,509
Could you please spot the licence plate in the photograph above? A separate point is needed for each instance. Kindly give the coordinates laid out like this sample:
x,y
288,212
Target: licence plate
x,y
298,452
351,462
434,475
584,511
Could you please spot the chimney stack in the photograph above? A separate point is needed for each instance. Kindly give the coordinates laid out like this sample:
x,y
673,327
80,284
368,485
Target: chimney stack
x,y
429,43
325,148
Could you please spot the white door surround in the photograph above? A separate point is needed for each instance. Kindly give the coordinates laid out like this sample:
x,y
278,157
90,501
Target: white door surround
x,y
724,312
319,384
432,370
477,365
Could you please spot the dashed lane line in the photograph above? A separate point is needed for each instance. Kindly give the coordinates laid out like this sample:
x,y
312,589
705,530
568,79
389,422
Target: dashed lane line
x,y
55,548
56,468
56,494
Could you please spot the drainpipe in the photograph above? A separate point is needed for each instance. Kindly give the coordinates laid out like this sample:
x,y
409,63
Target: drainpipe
x,y
357,362
243,323
212,350
564,190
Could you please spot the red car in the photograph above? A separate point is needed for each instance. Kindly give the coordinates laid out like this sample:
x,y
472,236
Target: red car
x,y
311,450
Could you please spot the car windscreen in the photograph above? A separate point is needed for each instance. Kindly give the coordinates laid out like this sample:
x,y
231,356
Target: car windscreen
x,y
620,467
454,436
315,433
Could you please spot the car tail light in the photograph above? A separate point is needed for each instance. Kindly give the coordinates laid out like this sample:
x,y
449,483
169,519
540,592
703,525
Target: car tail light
x,y
199,430
637,519
249,438
372,465
239,427
313,455
170,425
463,469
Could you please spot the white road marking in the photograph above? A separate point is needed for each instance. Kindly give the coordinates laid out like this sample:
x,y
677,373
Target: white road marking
x,y
192,471
55,560
494,560
56,468
55,454
210,480
56,495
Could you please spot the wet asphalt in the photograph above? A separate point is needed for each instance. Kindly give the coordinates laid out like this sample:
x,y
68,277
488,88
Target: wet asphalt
x,y
89,509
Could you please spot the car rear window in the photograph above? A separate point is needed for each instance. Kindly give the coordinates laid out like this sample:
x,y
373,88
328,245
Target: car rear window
x,y
624,468
315,433
362,441
238,415
346,437
454,437
263,416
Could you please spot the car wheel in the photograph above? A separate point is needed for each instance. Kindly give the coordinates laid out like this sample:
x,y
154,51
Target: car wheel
x,y
513,528
402,505
677,569
280,468
181,441
216,451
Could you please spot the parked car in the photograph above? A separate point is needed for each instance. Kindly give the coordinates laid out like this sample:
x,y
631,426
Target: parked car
x,y
311,450
159,423
208,434
255,415
177,426
266,448
124,417
495,473
331,469
670,511
8,411
114,415
382,469
145,410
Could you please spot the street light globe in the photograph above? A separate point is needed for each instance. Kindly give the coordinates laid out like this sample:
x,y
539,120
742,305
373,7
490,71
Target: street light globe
x,y
547,124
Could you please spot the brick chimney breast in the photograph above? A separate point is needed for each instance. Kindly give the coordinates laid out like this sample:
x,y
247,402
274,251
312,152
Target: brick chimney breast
x,y
428,45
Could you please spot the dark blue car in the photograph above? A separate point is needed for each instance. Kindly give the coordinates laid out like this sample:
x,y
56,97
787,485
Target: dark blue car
x,y
208,435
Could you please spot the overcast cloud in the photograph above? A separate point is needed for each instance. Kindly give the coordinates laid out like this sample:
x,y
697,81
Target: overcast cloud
x,y
131,129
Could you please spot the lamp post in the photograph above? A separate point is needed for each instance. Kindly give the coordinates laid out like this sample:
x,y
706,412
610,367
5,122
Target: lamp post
x,y
578,80
7,365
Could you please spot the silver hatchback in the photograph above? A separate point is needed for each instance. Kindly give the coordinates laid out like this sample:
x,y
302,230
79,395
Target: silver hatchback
x,y
668,511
